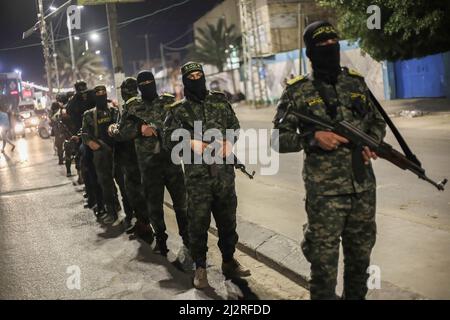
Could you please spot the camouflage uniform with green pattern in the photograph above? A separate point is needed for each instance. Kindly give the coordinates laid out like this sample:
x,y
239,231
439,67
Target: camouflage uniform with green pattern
x,y
338,205
125,136
207,192
157,169
104,156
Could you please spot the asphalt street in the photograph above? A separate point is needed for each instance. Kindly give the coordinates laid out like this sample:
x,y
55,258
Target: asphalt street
x,y
53,248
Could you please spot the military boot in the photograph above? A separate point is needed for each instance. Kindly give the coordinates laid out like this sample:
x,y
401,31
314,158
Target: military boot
x,y
200,278
145,232
233,269
161,247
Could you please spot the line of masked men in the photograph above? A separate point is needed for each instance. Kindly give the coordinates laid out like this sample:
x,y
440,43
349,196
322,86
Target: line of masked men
x,y
131,149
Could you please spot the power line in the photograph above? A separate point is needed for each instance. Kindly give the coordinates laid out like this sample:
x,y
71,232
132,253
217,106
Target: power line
x,y
121,25
179,48
179,37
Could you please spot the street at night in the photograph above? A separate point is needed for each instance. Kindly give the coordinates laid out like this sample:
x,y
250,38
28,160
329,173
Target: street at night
x,y
248,151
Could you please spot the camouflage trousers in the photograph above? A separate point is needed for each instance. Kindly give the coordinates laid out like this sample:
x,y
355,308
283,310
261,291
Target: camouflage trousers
x,y
332,218
135,192
216,195
157,173
107,172
71,152
59,146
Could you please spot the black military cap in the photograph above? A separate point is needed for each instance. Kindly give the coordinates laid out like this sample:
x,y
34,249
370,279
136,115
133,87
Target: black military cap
x,y
80,86
319,31
190,66
129,83
100,87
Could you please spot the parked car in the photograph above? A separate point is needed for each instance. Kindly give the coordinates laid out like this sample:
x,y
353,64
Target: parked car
x,y
27,112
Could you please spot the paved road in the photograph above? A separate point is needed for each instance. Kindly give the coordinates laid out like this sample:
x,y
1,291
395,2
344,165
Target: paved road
x,y
413,245
46,237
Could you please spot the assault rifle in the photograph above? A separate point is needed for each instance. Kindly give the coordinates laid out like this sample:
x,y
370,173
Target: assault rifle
x,y
361,139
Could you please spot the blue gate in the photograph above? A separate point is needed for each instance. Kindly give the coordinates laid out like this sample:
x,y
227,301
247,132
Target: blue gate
x,y
424,77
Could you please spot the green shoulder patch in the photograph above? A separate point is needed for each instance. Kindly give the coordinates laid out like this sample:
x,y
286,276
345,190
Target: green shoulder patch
x,y
353,72
175,104
295,80
168,95
217,92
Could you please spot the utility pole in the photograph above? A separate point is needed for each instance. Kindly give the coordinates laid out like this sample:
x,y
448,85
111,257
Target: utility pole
x,y
300,36
72,54
147,51
116,51
55,62
45,46
163,63
246,51
229,60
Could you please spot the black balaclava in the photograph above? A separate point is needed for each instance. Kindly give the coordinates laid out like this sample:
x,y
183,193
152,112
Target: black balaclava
x,y
62,98
148,90
101,101
55,107
325,60
128,88
194,90
80,90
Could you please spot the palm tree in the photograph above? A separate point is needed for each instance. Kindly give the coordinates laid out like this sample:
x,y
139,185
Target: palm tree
x,y
213,44
88,66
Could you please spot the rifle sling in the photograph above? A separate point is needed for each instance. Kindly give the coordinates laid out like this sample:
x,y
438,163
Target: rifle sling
x,y
408,153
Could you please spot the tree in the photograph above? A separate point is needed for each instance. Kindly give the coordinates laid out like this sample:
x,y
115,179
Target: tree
x,y
409,29
213,44
90,67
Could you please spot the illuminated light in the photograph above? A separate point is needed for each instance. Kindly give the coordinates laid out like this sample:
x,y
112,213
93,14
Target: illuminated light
x,y
34,121
97,52
14,92
76,37
94,36
19,128
52,8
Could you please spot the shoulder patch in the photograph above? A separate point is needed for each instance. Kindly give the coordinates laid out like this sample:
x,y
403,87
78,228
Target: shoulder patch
x,y
353,72
167,95
175,104
295,80
217,92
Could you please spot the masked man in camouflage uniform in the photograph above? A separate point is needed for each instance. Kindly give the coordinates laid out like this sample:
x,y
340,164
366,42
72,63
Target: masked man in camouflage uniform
x,y
339,180
125,134
210,188
95,126
154,162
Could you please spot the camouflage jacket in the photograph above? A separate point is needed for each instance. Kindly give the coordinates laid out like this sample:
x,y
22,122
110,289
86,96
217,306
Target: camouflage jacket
x,y
126,134
214,113
328,172
149,150
92,131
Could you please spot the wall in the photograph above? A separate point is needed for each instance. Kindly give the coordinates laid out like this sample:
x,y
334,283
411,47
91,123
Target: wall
x,y
228,8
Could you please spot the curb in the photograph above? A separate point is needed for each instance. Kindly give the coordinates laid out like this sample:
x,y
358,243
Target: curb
x,y
284,255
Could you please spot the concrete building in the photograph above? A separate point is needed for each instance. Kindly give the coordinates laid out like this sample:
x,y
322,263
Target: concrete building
x,y
275,22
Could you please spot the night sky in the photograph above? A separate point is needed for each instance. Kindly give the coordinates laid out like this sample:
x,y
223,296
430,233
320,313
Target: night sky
x,y
19,15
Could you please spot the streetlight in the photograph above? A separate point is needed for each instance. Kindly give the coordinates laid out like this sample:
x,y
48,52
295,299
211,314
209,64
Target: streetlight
x,y
94,36
97,52
76,37
52,8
